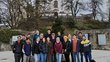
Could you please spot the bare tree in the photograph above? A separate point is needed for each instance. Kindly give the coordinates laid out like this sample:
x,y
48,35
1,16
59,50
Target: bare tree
x,y
15,13
109,10
44,6
20,11
95,8
32,14
74,6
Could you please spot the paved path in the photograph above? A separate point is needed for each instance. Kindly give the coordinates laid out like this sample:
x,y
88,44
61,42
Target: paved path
x,y
98,55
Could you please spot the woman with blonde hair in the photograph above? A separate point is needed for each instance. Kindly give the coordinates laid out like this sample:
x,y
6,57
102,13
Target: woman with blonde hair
x,y
67,49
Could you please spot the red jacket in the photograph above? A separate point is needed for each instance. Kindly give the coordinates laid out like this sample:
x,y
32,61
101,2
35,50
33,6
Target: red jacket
x,y
58,47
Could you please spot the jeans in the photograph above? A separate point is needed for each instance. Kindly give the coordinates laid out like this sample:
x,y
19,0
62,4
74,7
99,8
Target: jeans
x,y
37,57
58,57
88,56
81,54
72,56
43,57
76,56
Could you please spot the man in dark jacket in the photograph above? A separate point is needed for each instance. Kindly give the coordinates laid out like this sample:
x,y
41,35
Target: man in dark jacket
x,y
60,36
48,33
17,49
70,40
80,45
86,49
53,40
23,41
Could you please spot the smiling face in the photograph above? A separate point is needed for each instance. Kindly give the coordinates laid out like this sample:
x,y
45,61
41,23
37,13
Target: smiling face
x,y
48,39
69,36
80,34
59,33
57,39
27,41
38,39
49,31
23,37
19,38
37,32
84,38
53,34
74,37
65,38
44,40
41,35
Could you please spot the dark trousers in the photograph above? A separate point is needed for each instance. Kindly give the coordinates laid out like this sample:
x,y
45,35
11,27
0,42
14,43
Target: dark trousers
x,y
87,56
17,57
54,57
81,54
67,59
22,58
72,56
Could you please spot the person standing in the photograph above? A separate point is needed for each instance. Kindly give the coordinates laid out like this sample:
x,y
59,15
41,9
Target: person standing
x,y
87,49
60,36
48,33
53,40
17,49
75,48
71,53
23,40
58,49
41,36
67,49
27,50
36,50
80,36
36,35
50,50
43,50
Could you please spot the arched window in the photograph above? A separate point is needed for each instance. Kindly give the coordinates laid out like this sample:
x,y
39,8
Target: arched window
x,y
55,4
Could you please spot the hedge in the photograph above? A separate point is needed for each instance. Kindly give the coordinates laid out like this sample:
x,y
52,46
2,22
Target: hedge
x,y
6,34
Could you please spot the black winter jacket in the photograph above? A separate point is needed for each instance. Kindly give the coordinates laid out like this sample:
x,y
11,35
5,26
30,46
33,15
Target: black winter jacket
x,y
44,47
36,48
17,48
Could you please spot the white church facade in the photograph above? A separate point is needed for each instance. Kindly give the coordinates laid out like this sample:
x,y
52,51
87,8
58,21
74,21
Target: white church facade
x,y
56,6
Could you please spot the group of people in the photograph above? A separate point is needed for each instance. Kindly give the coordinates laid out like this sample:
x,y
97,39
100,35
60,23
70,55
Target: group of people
x,y
52,47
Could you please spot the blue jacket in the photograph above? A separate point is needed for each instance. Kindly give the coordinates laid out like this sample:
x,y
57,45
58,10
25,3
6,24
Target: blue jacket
x,y
27,49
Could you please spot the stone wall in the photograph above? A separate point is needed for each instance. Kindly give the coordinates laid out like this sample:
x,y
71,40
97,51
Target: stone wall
x,y
94,38
5,47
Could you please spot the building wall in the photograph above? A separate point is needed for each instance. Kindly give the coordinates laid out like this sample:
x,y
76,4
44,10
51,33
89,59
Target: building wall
x,y
50,9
